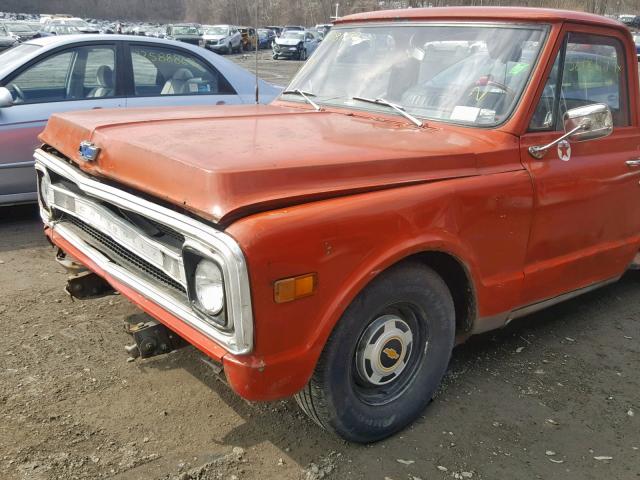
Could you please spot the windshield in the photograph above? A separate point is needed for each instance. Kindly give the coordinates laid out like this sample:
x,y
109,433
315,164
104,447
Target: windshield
x,y
19,27
77,23
186,30
469,74
295,34
217,31
18,52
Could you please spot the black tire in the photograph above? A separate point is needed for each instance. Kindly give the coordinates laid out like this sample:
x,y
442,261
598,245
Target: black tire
x,y
341,399
275,57
302,56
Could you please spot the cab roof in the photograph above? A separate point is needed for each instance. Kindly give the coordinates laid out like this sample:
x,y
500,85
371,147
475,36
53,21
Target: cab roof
x,y
524,14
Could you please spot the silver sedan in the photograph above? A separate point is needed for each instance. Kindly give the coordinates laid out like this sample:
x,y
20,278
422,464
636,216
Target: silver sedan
x,y
80,72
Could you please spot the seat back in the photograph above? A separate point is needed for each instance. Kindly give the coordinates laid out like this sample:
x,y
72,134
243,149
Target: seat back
x,y
179,83
104,77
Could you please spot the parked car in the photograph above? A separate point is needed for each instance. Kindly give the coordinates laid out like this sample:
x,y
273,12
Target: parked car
x,y
19,30
266,38
6,39
222,38
249,38
323,29
77,24
185,32
277,30
295,44
58,74
631,21
339,242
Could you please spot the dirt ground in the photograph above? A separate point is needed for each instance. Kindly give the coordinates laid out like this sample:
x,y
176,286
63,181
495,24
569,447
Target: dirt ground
x,y
555,395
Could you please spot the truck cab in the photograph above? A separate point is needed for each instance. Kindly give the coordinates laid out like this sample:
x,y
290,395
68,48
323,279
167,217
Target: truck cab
x,y
428,175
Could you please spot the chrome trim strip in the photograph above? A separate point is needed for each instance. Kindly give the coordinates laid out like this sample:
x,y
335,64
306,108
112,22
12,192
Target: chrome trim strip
x,y
534,307
89,210
17,165
235,272
501,320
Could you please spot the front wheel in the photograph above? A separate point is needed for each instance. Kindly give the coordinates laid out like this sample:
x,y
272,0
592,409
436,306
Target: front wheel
x,y
275,57
386,357
303,54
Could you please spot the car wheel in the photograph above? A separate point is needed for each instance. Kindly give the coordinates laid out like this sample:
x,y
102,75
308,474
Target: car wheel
x,y
386,357
275,57
303,54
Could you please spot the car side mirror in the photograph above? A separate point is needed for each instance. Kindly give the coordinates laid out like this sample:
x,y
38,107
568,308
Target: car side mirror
x,y
580,125
588,122
6,99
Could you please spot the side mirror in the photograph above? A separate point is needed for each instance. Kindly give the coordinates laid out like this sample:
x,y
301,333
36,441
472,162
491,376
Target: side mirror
x,y
588,122
580,125
6,99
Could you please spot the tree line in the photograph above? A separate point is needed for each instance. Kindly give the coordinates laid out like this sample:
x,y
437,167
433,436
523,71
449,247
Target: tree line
x,y
274,12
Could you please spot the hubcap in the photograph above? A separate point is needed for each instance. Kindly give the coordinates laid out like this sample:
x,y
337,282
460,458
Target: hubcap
x,y
383,350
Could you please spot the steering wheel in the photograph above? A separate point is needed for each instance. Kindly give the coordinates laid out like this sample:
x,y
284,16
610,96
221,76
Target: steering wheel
x,y
20,98
478,91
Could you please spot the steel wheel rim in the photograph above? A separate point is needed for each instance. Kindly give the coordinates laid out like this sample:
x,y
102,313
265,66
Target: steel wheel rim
x,y
388,353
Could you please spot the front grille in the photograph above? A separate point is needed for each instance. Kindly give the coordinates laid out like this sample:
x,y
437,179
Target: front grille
x,y
124,257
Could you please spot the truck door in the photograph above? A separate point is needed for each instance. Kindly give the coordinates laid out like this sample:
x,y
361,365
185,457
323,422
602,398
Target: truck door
x,y
585,227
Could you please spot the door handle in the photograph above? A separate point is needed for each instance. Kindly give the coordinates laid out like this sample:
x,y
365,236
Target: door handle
x,y
633,163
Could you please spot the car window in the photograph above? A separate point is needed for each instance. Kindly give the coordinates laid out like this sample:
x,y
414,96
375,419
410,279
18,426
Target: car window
x,y
160,71
46,81
99,72
594,71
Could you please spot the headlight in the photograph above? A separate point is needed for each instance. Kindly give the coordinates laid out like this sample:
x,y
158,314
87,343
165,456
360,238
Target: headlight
x,y
45,190
209,287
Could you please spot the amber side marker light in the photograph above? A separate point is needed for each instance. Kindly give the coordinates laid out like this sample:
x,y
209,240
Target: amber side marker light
x,y
289,289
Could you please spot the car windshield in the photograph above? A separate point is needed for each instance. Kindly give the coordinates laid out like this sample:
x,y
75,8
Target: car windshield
x,y
19,27
17,53
294,34
77,23
217,31
469,74
186,30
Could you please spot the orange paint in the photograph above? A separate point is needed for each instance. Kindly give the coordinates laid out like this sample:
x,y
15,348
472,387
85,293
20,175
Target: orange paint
x,y
347,196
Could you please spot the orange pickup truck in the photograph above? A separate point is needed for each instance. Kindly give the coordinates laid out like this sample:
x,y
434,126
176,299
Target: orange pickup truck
x,y
429,174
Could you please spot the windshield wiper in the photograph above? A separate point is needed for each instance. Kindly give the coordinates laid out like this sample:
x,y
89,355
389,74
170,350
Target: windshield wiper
x,y
306,96
397,108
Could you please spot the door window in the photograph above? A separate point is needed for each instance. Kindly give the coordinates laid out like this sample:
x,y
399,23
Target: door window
x,y
160,71
77,74
593,71
45,81
99,72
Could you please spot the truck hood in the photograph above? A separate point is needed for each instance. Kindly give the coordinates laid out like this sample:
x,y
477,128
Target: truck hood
x,y
222,163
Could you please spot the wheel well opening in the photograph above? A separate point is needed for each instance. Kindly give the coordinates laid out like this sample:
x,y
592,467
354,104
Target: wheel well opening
x,y
457,279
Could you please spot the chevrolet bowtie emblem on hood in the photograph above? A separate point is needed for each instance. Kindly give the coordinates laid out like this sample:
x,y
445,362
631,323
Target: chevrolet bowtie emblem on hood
x,y
88,151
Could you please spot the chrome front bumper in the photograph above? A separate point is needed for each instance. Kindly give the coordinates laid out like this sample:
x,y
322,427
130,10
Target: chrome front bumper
x,y
111,227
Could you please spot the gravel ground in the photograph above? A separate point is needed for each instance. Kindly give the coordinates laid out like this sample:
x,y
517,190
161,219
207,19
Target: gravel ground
x,y
554,395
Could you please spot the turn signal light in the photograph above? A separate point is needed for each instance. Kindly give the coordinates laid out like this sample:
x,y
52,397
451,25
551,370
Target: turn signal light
x,y
289,289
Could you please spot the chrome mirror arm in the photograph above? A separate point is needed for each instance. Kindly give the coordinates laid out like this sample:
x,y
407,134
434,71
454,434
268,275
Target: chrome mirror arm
x,y
540,151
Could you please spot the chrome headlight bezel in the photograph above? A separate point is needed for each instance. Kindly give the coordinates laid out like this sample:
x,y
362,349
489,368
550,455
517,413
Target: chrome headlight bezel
x,y
193,254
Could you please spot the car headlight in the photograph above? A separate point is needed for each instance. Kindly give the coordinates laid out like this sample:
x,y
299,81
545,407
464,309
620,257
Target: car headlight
x,y
209,287
45,191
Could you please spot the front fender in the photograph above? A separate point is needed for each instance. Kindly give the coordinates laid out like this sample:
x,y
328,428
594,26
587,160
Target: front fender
x,y
483,221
